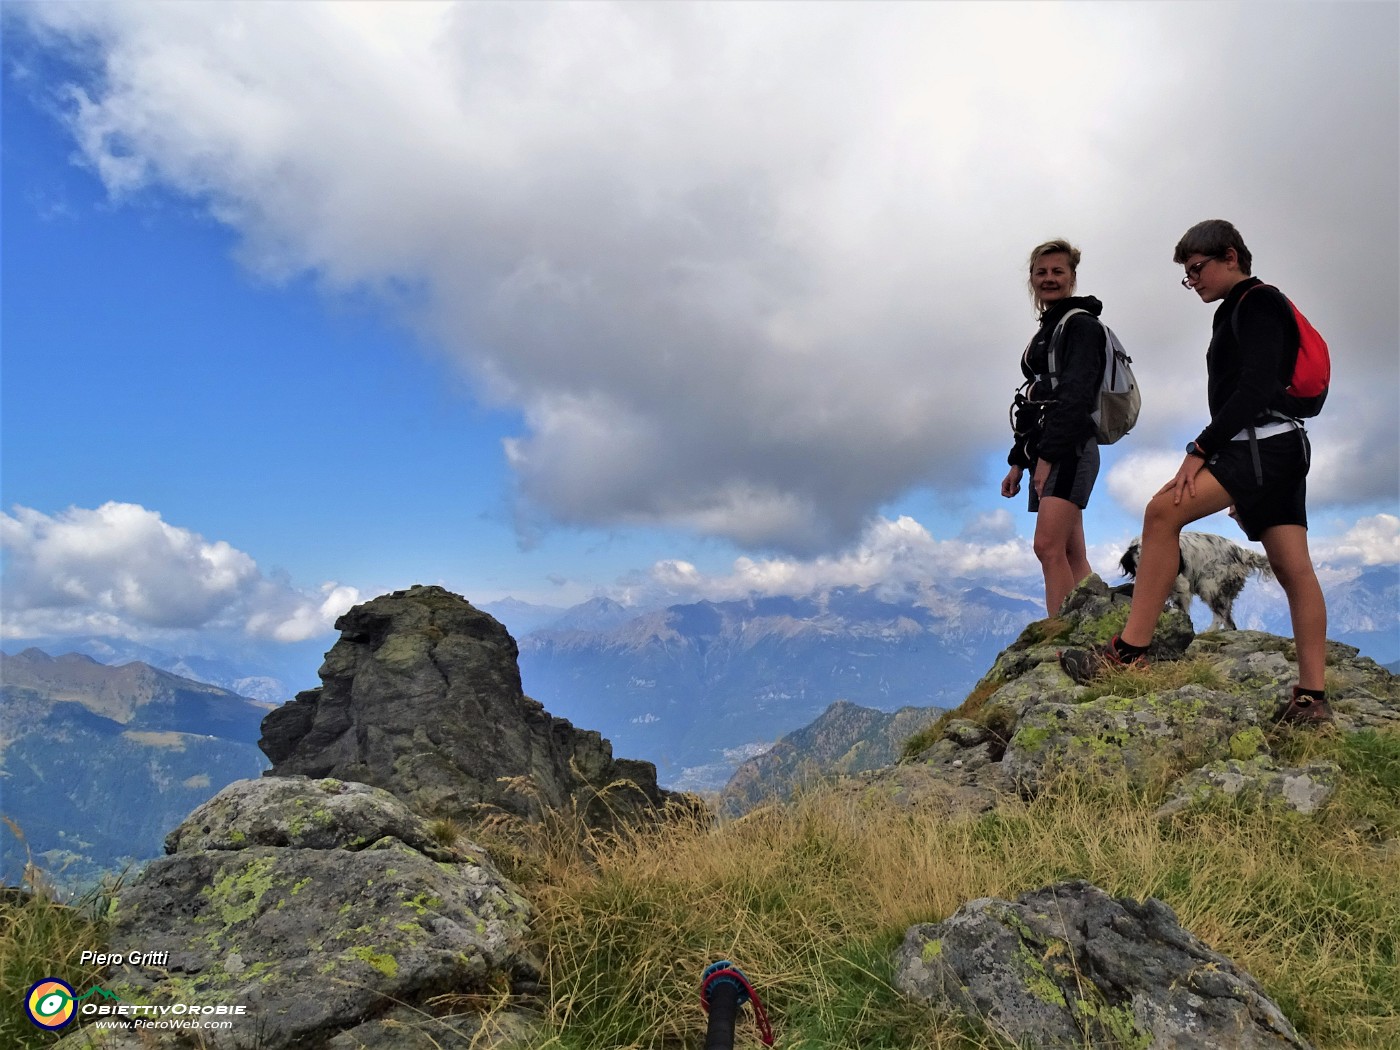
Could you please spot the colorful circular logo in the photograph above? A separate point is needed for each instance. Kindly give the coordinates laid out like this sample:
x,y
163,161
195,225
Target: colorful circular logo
x,y
49,1003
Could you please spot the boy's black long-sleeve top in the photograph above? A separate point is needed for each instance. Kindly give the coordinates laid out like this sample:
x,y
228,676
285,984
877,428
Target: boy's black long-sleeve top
x,y
1249,362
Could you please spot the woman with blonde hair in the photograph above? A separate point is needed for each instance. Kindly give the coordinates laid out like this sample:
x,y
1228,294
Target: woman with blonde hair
x,y
1053,427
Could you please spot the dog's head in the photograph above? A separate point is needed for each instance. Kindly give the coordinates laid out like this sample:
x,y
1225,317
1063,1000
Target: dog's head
x,y
1129,562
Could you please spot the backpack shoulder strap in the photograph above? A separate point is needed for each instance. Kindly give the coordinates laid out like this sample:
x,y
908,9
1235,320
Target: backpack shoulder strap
x,y
1052,365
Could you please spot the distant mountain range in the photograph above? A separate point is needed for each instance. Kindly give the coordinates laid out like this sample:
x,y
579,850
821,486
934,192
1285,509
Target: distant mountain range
x,y
698,688
100,762
271,671
1362,611
845,738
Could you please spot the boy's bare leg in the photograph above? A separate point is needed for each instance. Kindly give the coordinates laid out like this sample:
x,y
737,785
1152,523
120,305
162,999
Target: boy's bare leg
x,y
1166,514
1287,548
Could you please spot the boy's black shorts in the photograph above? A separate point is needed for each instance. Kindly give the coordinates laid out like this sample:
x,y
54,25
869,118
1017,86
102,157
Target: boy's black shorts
x,y
1282,498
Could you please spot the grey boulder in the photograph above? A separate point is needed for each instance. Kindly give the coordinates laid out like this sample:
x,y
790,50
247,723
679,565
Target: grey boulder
x,y
357,911
1070,966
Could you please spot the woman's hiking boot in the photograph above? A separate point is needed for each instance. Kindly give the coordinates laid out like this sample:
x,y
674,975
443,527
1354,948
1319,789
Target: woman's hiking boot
x,y
1084,665
1305,709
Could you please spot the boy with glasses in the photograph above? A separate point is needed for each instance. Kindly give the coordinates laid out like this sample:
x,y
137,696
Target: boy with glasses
x,y
1251,458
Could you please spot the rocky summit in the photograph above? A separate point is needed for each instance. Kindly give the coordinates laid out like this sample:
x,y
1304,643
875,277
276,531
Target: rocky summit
x,y
421,696
1026,722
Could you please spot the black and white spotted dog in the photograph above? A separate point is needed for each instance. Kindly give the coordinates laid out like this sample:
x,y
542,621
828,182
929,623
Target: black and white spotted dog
x,y
1213,569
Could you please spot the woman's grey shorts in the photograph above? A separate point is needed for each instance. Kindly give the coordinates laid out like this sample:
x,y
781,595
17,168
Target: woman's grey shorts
x,y
1072,478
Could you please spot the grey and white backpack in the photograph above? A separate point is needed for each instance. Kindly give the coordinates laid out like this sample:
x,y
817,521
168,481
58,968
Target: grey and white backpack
x,y
1120,400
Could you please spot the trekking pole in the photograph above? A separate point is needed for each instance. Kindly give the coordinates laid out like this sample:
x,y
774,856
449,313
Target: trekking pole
x,y
723,991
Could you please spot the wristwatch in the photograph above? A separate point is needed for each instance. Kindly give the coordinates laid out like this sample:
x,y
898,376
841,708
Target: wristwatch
x,y
1193,449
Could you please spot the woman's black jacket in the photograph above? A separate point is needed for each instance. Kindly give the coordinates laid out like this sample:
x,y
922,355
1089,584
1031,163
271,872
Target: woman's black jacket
x,y
1055,420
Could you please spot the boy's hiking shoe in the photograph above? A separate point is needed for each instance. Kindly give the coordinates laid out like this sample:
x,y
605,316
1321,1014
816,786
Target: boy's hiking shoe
x,y
1304,710
1084,665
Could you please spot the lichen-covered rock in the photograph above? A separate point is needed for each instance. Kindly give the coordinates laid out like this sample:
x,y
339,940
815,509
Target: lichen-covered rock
x,y
1256,782
1026,721
330,930
1091,615
1098,612
1263,667
304,814
1070,966
965,733
1143,737
421,696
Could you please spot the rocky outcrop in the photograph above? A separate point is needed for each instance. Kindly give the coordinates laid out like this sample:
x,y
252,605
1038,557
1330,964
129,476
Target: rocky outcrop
x,y
313,912
1070,966
421,696
1138,736
339,918
1031,723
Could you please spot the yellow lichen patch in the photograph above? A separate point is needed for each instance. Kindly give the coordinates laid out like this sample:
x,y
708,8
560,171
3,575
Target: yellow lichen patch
x,y
237,896
381,961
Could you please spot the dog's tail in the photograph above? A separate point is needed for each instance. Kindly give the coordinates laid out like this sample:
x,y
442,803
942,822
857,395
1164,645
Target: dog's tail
x,y
1258,563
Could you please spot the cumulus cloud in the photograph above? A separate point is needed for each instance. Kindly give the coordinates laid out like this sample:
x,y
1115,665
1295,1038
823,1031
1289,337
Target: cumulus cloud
x,y
892,555
1135,478
1371,541
901,556
755,270
120,569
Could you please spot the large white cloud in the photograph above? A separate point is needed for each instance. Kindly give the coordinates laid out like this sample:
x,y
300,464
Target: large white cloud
x,y
755,269
120,569
902,556
895,555
1371,541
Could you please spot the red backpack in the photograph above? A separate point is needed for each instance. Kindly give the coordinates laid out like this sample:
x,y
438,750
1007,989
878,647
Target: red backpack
x,y
1312,371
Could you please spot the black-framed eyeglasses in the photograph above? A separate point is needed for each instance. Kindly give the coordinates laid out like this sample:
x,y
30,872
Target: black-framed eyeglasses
x,y
1193,272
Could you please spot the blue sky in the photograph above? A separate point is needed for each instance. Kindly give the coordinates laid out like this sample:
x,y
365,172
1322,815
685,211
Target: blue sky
x,y
304,302
145,365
